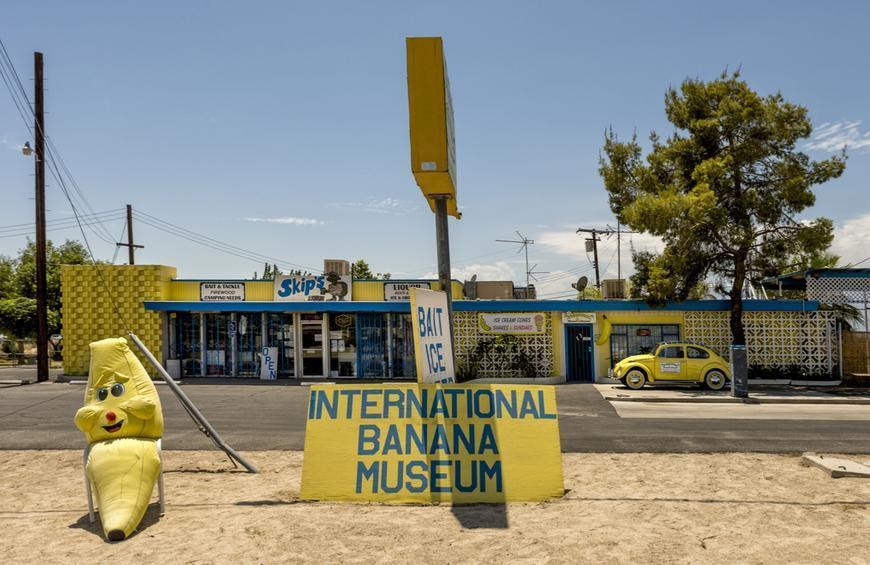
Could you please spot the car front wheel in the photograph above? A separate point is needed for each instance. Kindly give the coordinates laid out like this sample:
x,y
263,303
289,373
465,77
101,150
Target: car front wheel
x,y
635,379
715,380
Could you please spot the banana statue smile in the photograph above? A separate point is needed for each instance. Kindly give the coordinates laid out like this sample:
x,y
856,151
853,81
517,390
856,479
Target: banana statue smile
x,y
122,421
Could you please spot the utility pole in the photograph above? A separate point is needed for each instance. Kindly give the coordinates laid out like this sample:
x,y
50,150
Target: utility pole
x,y
41,287
525,242
594,239
609,231
131,247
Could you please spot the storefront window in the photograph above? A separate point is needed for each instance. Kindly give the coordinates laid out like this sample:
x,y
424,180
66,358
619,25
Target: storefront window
x,y
402,343
187,345
248,341
636,339
373,355
342,345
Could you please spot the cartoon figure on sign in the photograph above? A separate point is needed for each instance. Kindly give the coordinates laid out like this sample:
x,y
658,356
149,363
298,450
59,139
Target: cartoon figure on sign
x,y
335,290
539,322
122,421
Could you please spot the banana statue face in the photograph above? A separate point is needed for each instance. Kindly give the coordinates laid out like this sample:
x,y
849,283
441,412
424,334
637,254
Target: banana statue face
x,y
120,400
122,420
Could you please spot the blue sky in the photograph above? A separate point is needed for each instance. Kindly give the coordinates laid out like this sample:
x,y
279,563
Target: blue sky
x,y
282,127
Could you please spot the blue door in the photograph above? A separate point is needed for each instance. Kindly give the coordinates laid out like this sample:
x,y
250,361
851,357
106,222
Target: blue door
x,y
578,347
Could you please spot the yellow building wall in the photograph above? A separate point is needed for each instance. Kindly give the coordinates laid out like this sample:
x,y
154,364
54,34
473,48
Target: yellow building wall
x,y
455,287
87,298
368,291
558,343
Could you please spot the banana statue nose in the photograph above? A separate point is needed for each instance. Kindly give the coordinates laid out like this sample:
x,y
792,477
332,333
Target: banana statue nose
x,y
110,416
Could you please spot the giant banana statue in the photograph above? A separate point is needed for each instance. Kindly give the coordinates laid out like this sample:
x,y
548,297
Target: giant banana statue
x,y
122,420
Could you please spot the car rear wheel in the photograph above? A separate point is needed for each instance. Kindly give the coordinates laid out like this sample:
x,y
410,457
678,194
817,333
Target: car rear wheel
x,y
635,379
715,379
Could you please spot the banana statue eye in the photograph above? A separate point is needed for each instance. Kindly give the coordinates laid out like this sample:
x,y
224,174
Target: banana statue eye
x,y
117,389
103,393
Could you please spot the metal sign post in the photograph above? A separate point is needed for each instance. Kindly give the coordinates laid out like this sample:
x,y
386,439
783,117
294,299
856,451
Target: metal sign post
x,y
739,372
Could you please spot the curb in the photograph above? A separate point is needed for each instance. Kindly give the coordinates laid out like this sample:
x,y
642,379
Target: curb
x,y
750,400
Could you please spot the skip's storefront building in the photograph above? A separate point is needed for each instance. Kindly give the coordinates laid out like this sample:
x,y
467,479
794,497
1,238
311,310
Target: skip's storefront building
x,y
333,327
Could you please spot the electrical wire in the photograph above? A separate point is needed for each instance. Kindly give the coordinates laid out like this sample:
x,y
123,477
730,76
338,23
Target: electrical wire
x,y
25,109
53,169
206,241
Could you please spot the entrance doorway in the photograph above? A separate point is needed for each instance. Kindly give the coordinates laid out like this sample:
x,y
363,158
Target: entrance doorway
x,y
579,348
313,360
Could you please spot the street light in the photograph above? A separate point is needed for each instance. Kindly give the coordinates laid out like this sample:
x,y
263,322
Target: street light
x,y
27,149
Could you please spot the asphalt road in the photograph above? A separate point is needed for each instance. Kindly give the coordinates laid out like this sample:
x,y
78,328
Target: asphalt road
x,y
252,417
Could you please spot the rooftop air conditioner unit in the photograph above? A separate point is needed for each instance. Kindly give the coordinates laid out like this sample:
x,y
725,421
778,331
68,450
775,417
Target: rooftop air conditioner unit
x,y
613,288
340,267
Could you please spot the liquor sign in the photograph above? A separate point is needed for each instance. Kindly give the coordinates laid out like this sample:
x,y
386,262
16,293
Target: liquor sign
x,y
401,292
222,292
512,323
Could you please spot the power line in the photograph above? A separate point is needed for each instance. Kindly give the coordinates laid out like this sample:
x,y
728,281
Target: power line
x,y
217,245
25,109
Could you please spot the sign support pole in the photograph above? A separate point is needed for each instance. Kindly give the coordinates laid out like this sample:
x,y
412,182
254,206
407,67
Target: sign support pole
x,y
443,242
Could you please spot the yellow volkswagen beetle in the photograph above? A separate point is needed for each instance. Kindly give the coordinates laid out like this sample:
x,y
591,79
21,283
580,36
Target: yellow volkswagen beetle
x,y
677,362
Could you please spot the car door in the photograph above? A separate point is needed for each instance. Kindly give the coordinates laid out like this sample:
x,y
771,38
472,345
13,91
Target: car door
x,y
671,363
696,360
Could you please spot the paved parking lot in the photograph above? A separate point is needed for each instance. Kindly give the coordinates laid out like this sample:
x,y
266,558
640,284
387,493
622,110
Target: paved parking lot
x,y
252,417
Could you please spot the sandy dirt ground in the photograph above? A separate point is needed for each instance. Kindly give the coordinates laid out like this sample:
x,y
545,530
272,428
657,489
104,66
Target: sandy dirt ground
x,y
641,508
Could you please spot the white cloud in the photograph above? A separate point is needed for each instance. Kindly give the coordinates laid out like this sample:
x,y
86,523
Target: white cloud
x,y
289,220
388,205
833,137
498,271
852,240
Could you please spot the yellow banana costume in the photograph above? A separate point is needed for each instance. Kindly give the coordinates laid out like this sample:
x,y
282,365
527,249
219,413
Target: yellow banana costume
x,y
122,420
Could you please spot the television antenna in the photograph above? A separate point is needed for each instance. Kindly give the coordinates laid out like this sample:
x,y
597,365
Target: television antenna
x,y
524,246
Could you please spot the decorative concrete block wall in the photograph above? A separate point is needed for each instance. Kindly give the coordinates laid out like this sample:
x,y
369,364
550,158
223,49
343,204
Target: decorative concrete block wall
x,y
774,339
104,301
467,335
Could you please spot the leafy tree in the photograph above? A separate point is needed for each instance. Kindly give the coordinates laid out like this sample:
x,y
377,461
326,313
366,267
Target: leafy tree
x,y
18,317
360,270
7,277
723,190
642,285
24,280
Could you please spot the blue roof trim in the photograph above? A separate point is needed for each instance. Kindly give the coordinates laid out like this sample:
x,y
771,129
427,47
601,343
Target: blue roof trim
x,y
488,306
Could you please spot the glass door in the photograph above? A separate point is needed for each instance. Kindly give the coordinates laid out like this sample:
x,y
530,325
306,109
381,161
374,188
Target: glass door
x,y
218,344
312,344
281,333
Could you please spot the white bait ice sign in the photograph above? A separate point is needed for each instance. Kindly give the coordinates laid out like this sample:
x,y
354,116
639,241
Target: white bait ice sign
x,y
433,341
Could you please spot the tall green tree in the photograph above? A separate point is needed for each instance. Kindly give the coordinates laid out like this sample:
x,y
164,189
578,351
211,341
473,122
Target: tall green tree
x,y
68,253
723,191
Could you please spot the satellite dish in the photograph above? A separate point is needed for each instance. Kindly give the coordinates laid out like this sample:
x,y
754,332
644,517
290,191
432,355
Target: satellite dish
x,y
580,284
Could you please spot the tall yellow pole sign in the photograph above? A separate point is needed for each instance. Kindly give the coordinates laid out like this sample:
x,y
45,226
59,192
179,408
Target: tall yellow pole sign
x,y
433,341
426,443
433,151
